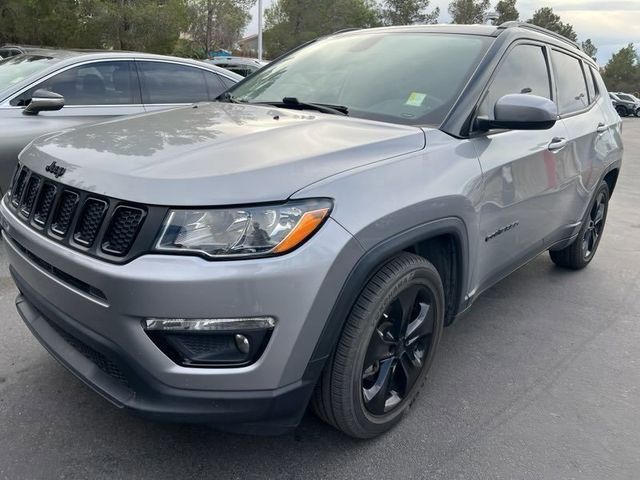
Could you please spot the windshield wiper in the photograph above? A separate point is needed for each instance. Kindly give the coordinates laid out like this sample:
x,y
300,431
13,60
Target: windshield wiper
x,y
293,102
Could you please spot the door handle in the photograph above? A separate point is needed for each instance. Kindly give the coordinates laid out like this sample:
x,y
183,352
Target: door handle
x,y
557,144
602,128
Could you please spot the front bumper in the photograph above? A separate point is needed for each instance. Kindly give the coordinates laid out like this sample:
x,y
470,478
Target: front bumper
x,y
101,340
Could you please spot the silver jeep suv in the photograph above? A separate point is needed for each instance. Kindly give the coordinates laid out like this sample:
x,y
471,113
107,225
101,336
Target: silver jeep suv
x,y
306,238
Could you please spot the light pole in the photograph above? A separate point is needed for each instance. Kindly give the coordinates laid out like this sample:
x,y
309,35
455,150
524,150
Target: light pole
x,y
259,29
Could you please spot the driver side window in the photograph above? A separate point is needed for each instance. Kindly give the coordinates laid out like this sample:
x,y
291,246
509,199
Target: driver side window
x,y
523,71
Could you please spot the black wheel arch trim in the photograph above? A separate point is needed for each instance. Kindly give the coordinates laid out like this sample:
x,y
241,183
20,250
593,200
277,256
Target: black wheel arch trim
x,y
368,265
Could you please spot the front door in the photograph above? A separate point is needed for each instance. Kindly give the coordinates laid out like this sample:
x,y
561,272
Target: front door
x,y
522,179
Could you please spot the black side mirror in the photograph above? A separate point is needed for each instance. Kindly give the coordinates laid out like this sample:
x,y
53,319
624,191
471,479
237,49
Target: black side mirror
x,y
521,112
44,101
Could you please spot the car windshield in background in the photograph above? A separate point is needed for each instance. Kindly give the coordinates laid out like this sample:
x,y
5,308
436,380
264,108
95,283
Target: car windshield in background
x,y
15,69
628,97
408,78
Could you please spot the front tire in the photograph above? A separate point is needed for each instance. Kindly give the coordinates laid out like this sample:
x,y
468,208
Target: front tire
x,y
385,351
580,253
622,111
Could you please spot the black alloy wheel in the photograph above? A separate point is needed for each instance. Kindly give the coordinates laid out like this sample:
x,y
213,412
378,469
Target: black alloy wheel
x,y
579,254
595,225
397,349
385,350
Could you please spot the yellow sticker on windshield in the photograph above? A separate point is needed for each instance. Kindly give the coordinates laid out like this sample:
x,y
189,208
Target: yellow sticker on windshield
x,y
416,99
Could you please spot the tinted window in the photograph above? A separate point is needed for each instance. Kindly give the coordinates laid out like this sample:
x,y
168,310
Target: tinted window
x,y
227,82
591,86
572,89
524,70
171,83
409,78
105,83
214,85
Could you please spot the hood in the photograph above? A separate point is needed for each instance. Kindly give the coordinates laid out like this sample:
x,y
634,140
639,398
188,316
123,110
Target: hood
x,y
216,153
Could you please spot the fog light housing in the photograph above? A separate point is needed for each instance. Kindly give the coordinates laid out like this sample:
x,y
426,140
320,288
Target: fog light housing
x,y
211,342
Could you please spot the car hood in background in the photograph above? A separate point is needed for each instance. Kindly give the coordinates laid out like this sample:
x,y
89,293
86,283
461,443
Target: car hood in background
x,y
216,153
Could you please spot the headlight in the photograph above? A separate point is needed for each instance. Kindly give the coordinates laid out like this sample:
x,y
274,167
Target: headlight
x,y
243,231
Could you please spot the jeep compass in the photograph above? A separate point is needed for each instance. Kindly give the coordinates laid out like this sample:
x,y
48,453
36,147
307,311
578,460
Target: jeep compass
x,y
304,239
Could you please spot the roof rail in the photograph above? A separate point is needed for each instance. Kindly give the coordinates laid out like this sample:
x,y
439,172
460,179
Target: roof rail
x,y
536,28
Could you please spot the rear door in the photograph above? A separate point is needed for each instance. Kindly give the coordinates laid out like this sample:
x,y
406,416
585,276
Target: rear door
x,y
522,192
580,107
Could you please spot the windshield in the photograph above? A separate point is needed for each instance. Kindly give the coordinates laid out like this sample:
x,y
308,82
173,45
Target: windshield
x,y
408,78
15,69
627,97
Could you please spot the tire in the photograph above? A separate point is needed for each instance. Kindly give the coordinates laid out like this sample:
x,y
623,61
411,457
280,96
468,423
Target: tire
x,y
622,111
580,253
345,396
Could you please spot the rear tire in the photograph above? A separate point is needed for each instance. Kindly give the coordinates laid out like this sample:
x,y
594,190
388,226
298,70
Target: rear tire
x,y
385,351
580,253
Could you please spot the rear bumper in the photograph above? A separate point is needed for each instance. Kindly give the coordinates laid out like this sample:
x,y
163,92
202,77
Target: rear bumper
x,y
104,367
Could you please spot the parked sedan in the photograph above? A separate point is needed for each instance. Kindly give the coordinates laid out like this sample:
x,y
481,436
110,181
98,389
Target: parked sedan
x,y
72,88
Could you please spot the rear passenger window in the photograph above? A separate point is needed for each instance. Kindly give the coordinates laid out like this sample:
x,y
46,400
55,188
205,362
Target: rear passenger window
x,y
171,83
523,71
572,88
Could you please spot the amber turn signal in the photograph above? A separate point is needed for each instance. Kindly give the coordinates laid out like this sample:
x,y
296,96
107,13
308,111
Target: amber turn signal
x,y
308,224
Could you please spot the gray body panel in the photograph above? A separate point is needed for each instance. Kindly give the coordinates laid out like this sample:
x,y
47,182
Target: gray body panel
x,y
510,194
217,154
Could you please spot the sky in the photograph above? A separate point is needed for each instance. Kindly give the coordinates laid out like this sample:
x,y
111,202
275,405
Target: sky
x,y
611,24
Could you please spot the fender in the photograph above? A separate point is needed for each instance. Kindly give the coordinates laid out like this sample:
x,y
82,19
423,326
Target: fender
x,y
369,264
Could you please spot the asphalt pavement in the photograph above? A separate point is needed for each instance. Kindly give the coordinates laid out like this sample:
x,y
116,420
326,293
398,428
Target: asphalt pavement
x,y
540,380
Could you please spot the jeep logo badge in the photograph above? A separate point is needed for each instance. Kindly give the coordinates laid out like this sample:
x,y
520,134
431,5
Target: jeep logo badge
x,y
56,170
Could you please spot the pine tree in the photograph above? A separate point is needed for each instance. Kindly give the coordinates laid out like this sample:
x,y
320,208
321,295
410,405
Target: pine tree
x,y
507,11
468,11
544,17
408,12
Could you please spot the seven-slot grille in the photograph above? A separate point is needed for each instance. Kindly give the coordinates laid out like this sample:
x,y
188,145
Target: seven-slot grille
x,y
74,217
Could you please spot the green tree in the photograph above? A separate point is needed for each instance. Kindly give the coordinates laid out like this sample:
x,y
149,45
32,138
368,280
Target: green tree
x,y
468,11
145,25
589,48
544,17
622,72
40,22
218,23
507,11
408,12
290,23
